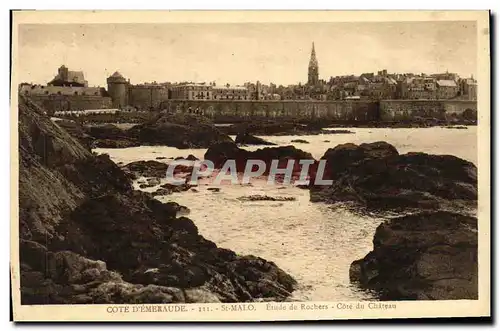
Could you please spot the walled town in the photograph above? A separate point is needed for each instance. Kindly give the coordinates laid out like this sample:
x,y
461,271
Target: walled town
x,y
368,96
100,223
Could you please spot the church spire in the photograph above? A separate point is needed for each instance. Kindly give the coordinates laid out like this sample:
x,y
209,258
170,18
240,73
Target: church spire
x,y
313,61
313,76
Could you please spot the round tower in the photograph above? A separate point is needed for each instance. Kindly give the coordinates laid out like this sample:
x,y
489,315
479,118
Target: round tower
x,y
117,89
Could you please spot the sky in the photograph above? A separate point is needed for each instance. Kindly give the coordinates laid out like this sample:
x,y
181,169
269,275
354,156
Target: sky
x,y
246,52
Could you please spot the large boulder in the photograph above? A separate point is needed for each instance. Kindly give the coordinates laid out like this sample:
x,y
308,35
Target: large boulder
x,y
376,176
220,153
69,278
248,139
178,130
88,237
425,256
111,136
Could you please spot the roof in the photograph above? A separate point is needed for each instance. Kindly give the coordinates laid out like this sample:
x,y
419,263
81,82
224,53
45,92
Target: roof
x,y
391,81
230,87
470,81
76,76
117,75
446,82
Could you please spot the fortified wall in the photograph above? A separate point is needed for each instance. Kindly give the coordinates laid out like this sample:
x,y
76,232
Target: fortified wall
x,y
55,103
145,97
394,110
345,110
230,110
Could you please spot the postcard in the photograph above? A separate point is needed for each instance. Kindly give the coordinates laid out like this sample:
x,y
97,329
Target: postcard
x,y
250,166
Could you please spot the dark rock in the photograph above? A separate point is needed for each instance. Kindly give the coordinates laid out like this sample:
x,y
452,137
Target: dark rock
x,y
190,157
213,189
178,130
106,131
265,198
457,127
426,256
77,131
267,127
248,139
73,279
167,189
219,153
377,177
114,143
300,141
343,157
110,136
87,237
340,132
146,169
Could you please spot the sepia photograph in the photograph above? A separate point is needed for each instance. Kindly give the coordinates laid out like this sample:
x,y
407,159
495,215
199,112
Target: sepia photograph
x,y
250,166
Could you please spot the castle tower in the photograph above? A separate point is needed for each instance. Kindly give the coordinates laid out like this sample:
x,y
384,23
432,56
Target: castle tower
x,y
118,90
63,73
313,74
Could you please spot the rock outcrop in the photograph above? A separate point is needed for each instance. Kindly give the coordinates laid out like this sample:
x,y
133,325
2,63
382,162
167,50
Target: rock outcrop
x,y
178,130
258,197
425,256
220,153
275,128
376,176
111,136
87,237
248,139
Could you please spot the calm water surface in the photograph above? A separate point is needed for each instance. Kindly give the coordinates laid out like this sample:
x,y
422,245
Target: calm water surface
x,y
314,242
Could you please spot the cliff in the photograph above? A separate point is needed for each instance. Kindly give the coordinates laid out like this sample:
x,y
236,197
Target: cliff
x,y
426,256
377,177
87,237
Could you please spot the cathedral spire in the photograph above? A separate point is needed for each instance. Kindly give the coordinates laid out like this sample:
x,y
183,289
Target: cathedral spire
x,y
313,61
313,77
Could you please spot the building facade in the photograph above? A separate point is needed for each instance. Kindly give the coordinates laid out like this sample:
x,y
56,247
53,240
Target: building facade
x,y
468,89
230,93
65,77
191,91
446,89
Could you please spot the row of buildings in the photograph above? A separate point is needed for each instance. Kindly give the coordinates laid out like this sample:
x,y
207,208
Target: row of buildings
x,y
120,93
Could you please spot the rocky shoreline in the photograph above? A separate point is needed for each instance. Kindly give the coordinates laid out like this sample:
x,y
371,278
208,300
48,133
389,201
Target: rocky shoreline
x,y
417,256
87,237
195,131
425,256
375,177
